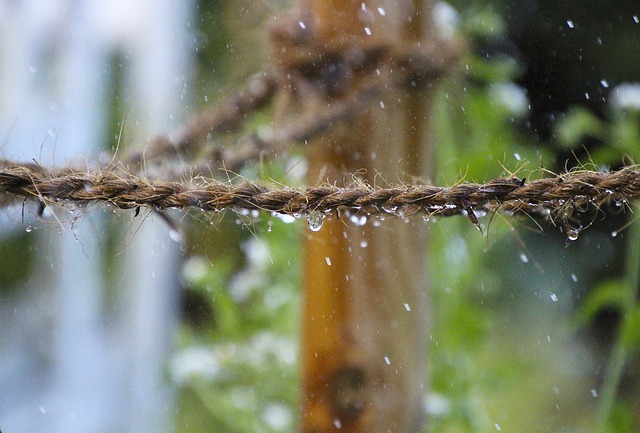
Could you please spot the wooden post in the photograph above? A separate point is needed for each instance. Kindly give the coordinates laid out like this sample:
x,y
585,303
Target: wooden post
x,y
365,309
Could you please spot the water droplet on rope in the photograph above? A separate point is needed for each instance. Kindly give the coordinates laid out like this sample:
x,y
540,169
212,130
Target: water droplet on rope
x,y
614,233
315,220
573,233
618,202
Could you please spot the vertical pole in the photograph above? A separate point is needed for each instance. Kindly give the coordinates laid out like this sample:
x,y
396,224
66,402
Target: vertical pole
x,y
364,330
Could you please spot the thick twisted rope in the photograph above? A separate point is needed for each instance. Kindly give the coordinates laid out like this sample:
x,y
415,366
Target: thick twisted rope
x,y
558,197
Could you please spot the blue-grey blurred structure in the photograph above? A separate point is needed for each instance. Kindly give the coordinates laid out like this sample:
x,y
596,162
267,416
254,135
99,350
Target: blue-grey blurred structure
x,y
76,355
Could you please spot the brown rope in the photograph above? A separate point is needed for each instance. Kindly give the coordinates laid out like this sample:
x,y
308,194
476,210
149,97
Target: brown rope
x,y
558,197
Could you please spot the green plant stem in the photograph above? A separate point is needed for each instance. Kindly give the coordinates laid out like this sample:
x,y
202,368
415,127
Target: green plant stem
x,y
619,351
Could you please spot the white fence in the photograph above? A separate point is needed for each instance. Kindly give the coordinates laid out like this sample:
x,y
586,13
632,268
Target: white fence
x,y
76,355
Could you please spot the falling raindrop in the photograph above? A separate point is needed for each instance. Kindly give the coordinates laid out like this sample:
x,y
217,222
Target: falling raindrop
x,y
523,257
553,297
594,393
574,277
175,235
407,307
358,220
315,220
302,25
383,13
497,426
337,423
570,24
364,244
328,260
367,30
29,229
386,359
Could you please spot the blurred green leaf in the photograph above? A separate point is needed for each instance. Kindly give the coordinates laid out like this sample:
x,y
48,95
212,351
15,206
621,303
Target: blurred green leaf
x,y
610,293
631,334
483,22
578,124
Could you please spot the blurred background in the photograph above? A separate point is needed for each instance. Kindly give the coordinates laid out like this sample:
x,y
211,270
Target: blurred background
x,y
116,323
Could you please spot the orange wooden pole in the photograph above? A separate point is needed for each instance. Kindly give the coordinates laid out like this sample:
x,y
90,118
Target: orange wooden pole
x,y
364,313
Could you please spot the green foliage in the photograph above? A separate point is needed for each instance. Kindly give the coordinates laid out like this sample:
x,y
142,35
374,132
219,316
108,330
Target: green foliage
x,y
238,373
511,305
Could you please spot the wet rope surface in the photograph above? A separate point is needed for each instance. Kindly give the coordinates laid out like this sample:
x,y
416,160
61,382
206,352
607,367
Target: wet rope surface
x,y
558,197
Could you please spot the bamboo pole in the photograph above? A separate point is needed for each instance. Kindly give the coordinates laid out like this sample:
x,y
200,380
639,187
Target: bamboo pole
x,y
364,330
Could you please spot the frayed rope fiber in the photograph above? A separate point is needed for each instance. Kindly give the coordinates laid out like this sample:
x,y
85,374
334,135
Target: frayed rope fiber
x,y
554,196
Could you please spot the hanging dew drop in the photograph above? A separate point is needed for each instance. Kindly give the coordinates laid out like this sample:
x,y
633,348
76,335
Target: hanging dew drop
x,y
315,220
572,234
